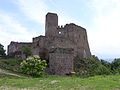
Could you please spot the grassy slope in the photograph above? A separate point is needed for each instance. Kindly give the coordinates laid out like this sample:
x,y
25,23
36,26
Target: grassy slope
x,y
8,82
10,64
62,83
11,68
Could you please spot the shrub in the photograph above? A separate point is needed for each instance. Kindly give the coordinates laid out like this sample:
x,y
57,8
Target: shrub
x,y
33,66
115,66
90,67
106,64
102,70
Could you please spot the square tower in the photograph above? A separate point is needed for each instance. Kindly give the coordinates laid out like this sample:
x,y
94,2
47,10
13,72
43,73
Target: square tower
x,y
51,24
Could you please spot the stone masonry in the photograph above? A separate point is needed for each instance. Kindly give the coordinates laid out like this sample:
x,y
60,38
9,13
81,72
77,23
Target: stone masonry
x,y
15,49
60,46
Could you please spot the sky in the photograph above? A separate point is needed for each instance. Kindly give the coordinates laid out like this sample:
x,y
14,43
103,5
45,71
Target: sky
x,y
21,20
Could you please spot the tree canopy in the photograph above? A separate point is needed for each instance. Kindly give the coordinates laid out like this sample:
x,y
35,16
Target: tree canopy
x,y
2,51
27,51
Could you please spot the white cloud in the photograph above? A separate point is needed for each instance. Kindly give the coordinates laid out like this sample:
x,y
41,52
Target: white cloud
x,y
104,35
37,9
34,9
116,1
63,20
12,30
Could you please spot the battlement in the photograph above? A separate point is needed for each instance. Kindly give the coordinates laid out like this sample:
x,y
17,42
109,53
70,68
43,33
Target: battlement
x,y
41,36
69,25
52,29
60,26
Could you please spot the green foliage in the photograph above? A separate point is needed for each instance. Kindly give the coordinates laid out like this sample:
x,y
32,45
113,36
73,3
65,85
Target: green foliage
x,y
10,64
27,51
33,66
115,66
102,70
106,64
2,51
90,67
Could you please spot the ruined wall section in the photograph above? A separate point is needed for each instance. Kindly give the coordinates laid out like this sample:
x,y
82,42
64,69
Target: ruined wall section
x,y
86,46
74,35
60,42
12,47
79,36
39,46
61,61
15,48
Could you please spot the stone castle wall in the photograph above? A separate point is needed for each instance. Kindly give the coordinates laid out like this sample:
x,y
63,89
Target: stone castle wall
x,y
39,47
61,60
15,49
60,45
59,38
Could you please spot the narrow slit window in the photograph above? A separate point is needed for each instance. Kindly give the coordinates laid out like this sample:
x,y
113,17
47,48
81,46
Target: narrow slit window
x,y
60,32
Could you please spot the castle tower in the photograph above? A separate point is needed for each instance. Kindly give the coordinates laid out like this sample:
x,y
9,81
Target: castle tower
x,y
51,24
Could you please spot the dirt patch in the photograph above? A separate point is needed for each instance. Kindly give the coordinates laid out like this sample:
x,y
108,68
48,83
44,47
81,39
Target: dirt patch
x,y
8,73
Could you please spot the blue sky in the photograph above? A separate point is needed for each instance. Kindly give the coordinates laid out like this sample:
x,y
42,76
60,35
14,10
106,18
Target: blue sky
x,y
21,20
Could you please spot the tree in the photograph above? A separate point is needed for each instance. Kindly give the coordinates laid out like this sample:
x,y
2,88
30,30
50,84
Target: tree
x,y
2,51
33,66
115,66
106,64
27,51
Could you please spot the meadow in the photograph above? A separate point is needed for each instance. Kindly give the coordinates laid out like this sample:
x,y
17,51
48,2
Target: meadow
x,y
12,79
103,82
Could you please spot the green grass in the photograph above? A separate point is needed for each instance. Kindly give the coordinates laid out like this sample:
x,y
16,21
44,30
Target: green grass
x,y
10,82
62,83
10,64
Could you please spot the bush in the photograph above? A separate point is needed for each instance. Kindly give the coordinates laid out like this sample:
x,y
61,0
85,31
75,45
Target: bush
x,y
106,64
102,70
33,66
115,66
90,67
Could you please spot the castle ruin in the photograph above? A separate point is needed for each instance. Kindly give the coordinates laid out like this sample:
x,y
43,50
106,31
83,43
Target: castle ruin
x,y
60,46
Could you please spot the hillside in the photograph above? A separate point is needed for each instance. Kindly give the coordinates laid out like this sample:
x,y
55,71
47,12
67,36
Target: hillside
x,y
10,68
11,79
61,83
10,64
